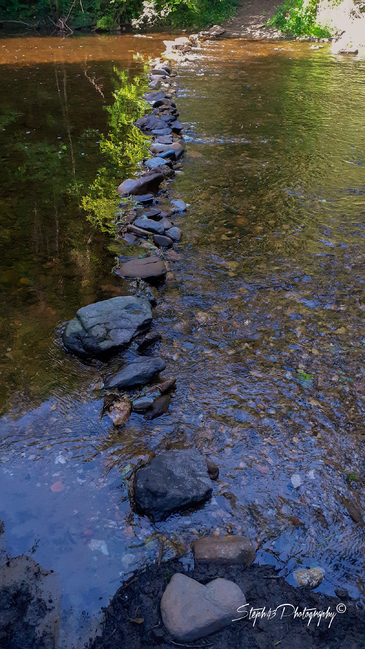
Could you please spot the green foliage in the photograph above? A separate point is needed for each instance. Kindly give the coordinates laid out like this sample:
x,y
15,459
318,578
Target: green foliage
x,y
303,376
106,24
107,14
124,147
299,19
196,13
352,476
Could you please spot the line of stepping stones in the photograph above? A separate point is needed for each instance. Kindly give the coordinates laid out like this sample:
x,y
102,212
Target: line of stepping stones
x,y
177,479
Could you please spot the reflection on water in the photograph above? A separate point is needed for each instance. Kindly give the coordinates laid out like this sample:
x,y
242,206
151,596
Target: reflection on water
x,y
262,323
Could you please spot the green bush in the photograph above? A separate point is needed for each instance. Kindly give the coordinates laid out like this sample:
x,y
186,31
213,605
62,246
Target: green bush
x,y
196,13
109,13
294,18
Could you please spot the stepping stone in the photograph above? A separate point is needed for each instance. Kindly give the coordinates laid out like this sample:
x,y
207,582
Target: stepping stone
x,y
154,96
166,223
172,482
147,268
170,154
176,126
159,72
179,205
174,233
161,131
149,225
146,198
151,213
161,241
152,163
224,550
108,325
191,610
148,183
141,371
164,139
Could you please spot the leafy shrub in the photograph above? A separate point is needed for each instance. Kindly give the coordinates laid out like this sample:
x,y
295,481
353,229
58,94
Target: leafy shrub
x,y
299,19
108,13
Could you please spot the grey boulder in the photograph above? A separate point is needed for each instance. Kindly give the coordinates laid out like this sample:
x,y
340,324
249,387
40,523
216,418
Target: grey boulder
x,y
174,233
191,610
142,404
149,225
108,325
149,268
171,482
152,163
139,372
143,185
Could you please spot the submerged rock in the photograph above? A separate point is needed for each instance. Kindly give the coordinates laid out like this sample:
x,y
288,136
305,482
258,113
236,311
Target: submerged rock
x,y
108,325
148,268
167,386
224,550
213,470
191,610
142,403
311,578
151,338
141,371
159,407
120,411
171,482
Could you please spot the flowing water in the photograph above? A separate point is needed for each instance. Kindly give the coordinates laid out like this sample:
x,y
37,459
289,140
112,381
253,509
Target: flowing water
x,y
261,316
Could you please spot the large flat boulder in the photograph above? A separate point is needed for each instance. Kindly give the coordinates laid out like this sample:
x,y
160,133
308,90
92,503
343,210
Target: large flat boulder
x,y
191,610
141,371
108,325
150,226
225,550
149,268
143,185
172,482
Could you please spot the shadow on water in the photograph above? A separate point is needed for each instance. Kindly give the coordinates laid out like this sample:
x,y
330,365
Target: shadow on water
x,y
261,323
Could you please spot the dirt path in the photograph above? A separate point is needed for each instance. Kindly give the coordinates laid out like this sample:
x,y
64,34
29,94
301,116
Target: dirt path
x,y
251,19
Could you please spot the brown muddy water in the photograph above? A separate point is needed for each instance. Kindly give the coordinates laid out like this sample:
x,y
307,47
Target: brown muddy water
x,y
262,320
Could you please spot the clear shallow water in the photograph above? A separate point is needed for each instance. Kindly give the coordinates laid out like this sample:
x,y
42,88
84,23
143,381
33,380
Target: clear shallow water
x,y
262,320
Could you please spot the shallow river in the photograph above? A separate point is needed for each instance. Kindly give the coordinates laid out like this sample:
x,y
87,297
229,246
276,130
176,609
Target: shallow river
x,y
262,318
